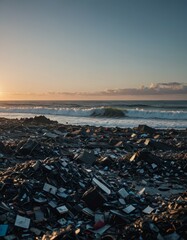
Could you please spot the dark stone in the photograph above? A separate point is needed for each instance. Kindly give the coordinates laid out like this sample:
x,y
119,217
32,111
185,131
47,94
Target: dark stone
x,y
38,120
93,198
2,148
27,147
145,156
146,129
157,145
105,161
86,157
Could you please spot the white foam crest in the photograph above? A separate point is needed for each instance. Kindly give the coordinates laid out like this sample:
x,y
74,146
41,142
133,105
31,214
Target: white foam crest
x,y
77,112
154,114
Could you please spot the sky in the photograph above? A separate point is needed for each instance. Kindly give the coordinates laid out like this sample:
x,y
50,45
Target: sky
x,y
93,49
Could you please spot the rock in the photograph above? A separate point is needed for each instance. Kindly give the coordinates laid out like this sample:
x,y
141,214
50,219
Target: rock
x,y
86,157
38,120
105,161
157,145
2,148
93,198
146,129
27,147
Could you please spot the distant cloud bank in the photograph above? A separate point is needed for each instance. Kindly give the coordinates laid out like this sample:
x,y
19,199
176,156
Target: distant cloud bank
x,y
153,89
171,90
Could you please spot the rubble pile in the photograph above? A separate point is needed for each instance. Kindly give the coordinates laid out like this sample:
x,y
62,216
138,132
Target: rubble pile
x,y
83,182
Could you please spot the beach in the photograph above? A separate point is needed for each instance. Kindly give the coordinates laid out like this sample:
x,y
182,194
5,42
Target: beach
x,y
93,120
64,181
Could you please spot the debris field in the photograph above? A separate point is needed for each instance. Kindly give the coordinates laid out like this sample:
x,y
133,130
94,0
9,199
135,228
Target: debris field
x,y
59,181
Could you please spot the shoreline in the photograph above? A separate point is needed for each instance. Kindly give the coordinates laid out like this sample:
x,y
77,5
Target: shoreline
x,y
105,122
118,181
123,114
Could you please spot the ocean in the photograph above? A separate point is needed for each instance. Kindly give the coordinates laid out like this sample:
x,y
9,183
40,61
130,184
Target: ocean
x,y
124,114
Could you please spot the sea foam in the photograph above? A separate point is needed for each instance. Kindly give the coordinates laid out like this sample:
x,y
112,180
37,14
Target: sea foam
x,y
105,112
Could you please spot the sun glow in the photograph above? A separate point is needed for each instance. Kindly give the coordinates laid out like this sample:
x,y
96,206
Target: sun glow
x,y
4,96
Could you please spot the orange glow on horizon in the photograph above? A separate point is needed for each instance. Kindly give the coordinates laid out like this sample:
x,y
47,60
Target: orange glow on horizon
x,y
7,96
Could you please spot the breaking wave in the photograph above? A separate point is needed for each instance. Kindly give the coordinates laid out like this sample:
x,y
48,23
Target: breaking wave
x,y
106,112
76,112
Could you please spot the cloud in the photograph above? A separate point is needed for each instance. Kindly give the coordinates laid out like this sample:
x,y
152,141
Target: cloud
x,y
153,89
170,86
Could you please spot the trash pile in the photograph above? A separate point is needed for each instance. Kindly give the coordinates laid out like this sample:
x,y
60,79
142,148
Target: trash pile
x,y
83,182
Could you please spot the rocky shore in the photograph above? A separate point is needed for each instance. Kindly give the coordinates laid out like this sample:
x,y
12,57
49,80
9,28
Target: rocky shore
x,y
60,181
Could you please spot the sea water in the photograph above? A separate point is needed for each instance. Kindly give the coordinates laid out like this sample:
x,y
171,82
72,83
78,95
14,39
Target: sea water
x,y
157,114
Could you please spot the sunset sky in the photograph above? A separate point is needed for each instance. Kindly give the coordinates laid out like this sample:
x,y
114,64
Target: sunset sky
x,y
93,49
